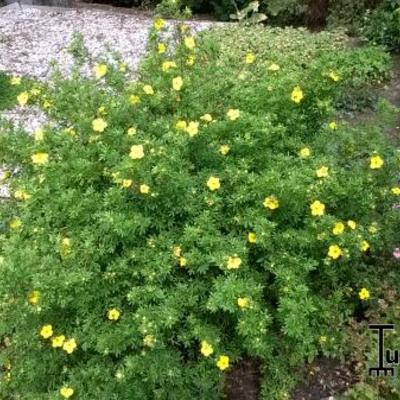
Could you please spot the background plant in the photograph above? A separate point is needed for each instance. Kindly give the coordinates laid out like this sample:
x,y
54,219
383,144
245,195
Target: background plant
x,y
382,26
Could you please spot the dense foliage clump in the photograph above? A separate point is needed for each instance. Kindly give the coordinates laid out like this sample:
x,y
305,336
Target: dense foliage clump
x,y
382,26
213,209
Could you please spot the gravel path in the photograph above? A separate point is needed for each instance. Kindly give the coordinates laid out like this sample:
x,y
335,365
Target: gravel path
x,y
33,36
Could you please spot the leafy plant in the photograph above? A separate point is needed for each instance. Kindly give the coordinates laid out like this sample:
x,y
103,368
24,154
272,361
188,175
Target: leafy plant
x,y
382,26
213,209
249,14
174,9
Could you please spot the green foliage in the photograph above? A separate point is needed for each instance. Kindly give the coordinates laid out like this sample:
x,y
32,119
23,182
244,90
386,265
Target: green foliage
x,y
382,26
249,14
77,48
173,9
117,237
11,86
348,14
8,92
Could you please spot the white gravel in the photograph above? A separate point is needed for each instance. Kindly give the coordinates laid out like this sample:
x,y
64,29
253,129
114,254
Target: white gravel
x,y
33,36
28,118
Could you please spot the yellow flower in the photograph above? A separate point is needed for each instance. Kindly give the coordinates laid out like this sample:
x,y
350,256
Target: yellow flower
x,y
4,175
352,224
332,125
213,183
144,189
167,65
126,183
376,162
322,172
70,131
46,331
206,348
69,346
234,262
252,237
38,134
364,294
58,341
66,242
184,28
250,58
15,223
15,80
159,23
305,152
334,252
65,247
177,250
162,48
338,229
99,125
373,228
40,158
101,111
113,314
323,339
100,70
334,76
364,246
223,363
317,208
35,91
33,297
137,152
189,42
206,118
243,302
22,195
181,125
148,90
116,177
274,67
193,128
47,104
233,114
122,67
149,340
66,392
271,202
182,262
131,131
134,99
224,149
297,95
177,83
395,190
190,60
23,98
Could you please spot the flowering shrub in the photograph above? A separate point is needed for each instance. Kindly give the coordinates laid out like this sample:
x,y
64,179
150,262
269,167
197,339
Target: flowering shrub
x,y
10,88
170,226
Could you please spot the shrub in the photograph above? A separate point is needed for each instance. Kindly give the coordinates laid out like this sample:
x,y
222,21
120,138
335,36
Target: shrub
x,y
382,26
349,14
164,228
10,87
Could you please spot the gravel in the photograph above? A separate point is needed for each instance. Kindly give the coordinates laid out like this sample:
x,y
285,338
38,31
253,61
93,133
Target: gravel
x,y
33,36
